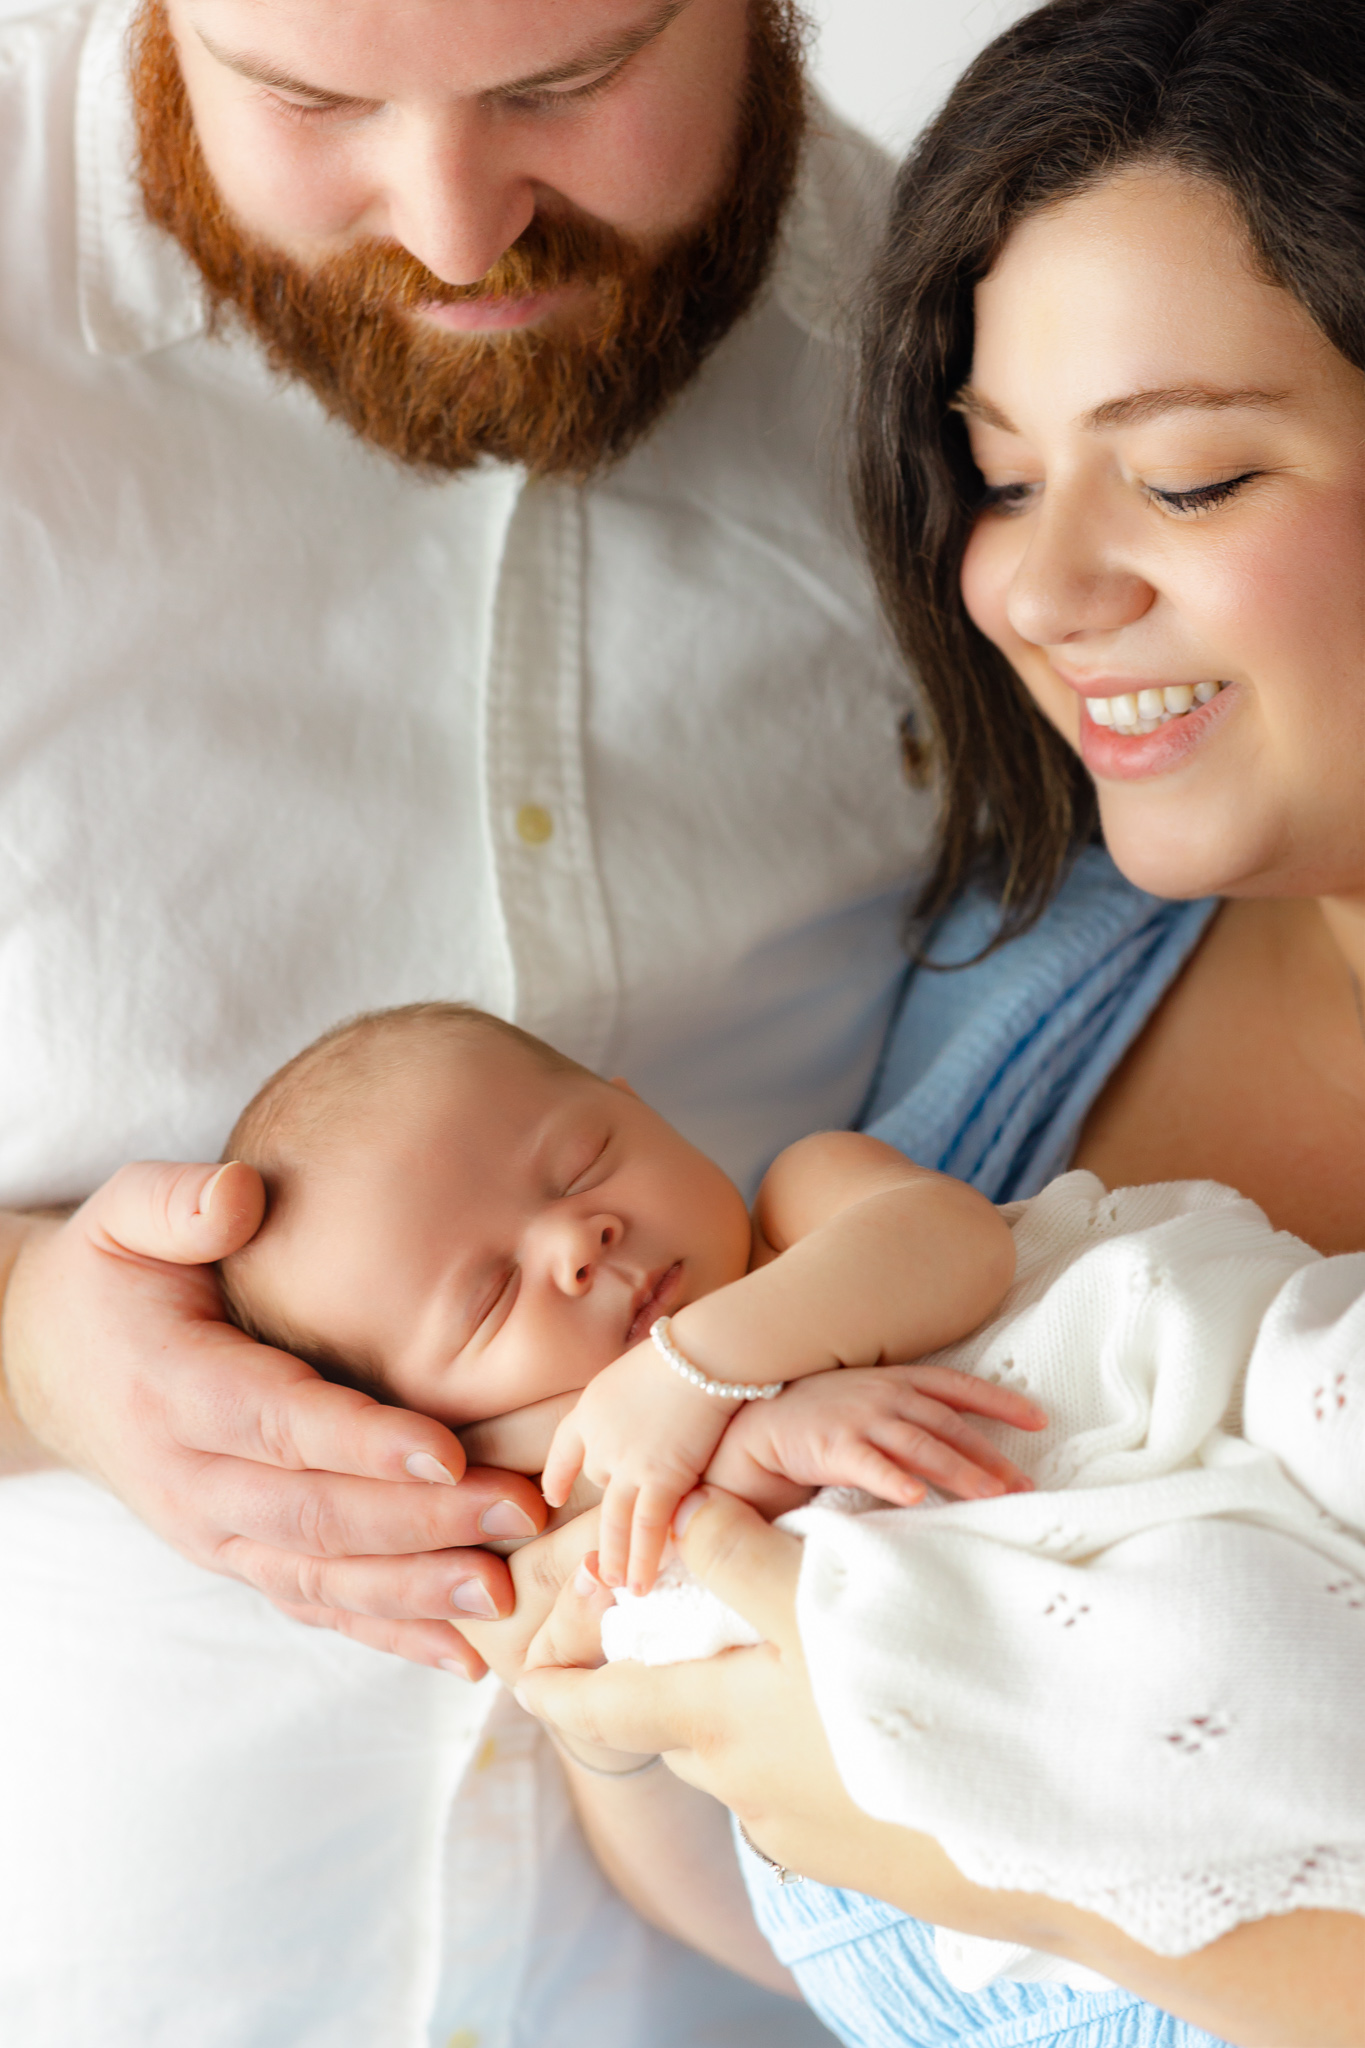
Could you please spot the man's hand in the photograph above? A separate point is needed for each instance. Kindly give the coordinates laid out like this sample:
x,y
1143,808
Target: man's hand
x,y
345,1514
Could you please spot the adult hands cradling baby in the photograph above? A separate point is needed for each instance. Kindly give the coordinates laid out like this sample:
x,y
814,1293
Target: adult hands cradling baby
x,y
121,1363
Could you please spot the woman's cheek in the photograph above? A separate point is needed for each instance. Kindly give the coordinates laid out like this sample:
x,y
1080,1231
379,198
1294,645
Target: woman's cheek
x,y
986,572
989,564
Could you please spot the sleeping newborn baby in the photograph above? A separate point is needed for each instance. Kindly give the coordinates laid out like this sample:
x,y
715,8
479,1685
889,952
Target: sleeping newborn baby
x,y
462,1220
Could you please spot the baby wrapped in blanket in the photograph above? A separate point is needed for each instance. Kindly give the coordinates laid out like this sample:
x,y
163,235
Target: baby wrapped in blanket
x,y
462,1219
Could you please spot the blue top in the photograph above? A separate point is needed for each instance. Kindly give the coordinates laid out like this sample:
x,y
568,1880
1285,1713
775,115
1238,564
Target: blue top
x,y
988,1073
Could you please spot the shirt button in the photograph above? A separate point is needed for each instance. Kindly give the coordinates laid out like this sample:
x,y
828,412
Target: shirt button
x,y
534,824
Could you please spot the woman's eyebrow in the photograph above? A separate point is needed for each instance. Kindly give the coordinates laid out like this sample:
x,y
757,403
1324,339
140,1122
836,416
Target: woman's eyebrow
x,y
1140,406
1136,407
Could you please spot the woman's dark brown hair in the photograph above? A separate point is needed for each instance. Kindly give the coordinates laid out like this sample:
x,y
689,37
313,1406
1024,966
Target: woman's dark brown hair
x,y
1266,99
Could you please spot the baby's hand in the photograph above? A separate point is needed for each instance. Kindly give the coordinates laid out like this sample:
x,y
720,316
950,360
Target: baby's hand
x,y
645,1435
873,1427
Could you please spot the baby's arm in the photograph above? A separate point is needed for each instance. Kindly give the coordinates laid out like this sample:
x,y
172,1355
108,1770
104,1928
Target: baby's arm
x,y
879,1261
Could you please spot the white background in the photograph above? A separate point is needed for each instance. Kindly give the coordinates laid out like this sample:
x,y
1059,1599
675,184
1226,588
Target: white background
x,y
888,63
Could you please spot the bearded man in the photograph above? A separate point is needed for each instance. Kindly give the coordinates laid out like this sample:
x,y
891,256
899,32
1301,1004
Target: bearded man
x,y
425,572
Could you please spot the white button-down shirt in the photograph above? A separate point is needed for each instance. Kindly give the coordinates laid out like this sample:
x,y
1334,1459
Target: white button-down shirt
x,y
287,732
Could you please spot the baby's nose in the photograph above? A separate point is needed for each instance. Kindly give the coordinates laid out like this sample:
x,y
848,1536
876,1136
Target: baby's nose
x,y
595,1239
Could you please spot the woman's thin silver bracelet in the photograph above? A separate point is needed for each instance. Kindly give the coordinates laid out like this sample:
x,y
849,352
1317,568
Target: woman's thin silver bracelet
x,y
779,1870
724,1390
595,1770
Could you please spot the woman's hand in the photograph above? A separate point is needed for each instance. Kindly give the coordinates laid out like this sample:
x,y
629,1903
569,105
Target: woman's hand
x,y
120,1362
742,1726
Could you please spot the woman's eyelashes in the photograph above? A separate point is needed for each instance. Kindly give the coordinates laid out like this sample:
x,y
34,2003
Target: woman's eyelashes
x,y
1202,497
1002,500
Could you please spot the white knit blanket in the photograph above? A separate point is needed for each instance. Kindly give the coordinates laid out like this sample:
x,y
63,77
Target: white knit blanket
x,y
1139,1688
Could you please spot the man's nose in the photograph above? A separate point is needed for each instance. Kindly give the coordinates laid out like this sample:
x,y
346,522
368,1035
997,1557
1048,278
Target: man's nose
x,y
456,198
578,1246
1073,581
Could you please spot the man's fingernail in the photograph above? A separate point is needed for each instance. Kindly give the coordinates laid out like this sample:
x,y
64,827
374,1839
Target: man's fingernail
x,y
421,1465
585,1583
505,1518
687,1508
471,1596
206,1193
456,1670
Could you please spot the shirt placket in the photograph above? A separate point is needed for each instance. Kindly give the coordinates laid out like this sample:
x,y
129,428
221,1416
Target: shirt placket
x,y
562,968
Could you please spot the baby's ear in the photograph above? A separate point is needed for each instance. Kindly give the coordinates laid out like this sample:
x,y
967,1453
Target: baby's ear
x,y
619,1081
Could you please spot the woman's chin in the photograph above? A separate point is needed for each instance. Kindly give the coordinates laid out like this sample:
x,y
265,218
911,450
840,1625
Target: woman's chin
x,y
1174,863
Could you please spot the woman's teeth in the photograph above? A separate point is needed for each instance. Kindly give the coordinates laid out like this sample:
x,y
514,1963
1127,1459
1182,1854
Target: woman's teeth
x,y
1139,711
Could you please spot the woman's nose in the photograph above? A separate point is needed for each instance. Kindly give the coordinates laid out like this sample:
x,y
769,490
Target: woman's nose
x,y
1073,583
580,1246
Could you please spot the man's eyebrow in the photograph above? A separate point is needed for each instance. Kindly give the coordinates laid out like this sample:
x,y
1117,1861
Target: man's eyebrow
x,y
1136,407
261,71
604,55
600,56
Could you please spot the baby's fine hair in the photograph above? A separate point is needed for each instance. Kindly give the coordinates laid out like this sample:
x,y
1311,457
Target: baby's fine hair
x,y
312,1100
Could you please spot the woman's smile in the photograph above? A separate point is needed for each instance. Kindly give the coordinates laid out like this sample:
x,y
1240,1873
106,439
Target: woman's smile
x,y
1147,728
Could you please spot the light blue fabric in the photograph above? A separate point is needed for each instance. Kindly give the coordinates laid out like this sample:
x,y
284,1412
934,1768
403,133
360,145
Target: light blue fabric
x,y
988,1073
870,1974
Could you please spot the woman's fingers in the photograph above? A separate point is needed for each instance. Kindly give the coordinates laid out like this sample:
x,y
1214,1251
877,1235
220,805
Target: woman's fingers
x,y
749,1564
628,1707
572,1634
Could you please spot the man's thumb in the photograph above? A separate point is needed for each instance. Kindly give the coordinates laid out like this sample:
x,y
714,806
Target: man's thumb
x,y
186,1214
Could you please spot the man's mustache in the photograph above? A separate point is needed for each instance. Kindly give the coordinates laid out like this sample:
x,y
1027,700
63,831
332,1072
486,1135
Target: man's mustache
x,y
549,253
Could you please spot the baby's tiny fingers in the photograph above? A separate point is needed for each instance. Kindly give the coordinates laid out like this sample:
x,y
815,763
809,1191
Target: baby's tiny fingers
x,y
563,1464
980,1397
865,1466
613,1542
972,1471
654,1509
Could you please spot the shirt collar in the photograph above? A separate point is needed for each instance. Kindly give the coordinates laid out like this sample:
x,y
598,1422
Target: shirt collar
x,y
139,292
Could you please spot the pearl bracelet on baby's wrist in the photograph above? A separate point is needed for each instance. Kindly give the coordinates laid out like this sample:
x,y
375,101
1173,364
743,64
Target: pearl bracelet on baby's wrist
x,y
724,1390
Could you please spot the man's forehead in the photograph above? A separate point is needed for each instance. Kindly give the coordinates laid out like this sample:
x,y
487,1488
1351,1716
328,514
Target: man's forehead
x,y
386,48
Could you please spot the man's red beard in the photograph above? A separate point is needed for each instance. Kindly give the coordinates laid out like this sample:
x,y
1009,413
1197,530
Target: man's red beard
x,y
561,403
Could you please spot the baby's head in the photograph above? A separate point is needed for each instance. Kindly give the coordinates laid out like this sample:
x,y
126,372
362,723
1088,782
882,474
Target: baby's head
x,y
464,1221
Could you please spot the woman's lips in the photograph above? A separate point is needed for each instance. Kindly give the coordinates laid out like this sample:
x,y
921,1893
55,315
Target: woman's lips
x,y
662,1287
1113,755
